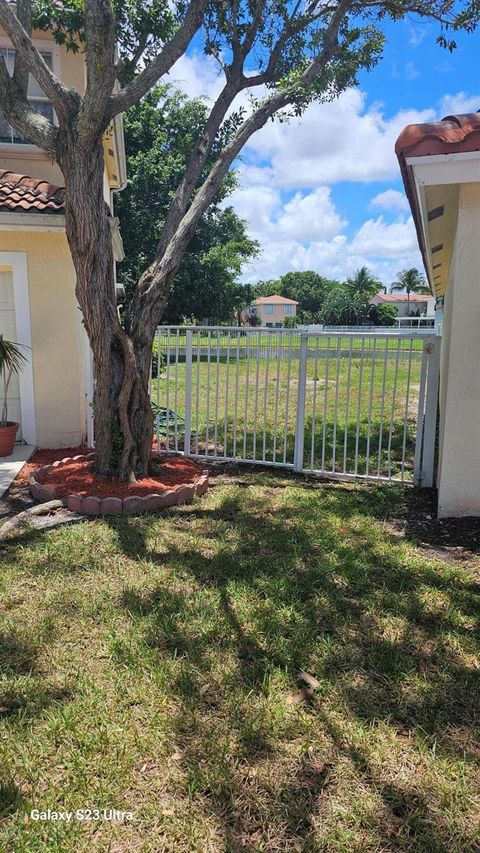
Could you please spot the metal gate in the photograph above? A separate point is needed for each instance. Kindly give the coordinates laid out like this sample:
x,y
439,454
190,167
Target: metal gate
x,y
360,405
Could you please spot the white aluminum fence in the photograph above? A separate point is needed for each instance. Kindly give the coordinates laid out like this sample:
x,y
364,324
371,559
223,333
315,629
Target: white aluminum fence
x,y
346,405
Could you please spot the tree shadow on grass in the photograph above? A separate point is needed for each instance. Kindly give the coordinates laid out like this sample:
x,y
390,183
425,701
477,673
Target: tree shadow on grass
x,y
381,631
11,799
24,692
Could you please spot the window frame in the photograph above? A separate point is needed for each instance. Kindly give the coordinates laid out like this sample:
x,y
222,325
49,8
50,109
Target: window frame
x,y
268,308
288,310
26,149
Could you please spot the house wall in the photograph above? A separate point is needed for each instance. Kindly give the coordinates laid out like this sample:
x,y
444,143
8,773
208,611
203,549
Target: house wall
x,y
402,308
278,315
459,442
58,343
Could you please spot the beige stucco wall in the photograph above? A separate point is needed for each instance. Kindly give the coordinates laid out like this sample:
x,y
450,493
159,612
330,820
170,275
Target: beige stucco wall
x,y
459,445
278,315
58,347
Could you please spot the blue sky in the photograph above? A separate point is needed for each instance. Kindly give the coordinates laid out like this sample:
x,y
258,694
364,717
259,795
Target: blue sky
x,y
324,192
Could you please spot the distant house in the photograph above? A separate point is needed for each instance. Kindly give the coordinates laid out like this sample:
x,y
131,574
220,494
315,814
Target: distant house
x,y
273,310
407,306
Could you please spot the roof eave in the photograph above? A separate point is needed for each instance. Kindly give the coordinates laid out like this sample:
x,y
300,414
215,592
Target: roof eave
x,y
12,220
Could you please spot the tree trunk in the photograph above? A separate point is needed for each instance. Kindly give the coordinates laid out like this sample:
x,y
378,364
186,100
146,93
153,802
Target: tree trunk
x,y
122,411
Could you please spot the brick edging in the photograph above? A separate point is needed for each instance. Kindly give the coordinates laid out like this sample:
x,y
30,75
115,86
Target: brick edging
x,y
133,505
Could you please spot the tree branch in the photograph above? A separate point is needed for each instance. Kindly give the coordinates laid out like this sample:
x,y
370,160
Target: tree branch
x,y
157,67
100,62
60,95
34,126
236,82
20,70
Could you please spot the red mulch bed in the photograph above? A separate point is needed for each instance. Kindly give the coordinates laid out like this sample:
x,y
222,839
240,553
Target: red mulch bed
x,y
46,457
77,478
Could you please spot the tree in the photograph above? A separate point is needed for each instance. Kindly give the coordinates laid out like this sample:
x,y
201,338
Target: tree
x,y
341,308
361,287
410,281
159,134
382,315
296,52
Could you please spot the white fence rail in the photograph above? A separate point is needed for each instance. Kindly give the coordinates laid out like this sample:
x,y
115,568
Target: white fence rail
x,y
347,405
389,330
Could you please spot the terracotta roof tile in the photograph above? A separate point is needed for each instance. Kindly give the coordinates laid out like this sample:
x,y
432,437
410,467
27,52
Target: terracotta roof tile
x,y
24,194
452,135
274,300
402,297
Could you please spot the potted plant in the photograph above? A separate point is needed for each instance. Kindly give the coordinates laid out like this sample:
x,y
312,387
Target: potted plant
x,y
11,361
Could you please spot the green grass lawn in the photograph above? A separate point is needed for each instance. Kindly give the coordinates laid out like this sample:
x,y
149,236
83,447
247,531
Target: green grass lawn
x,y
149,665
260,337
248,409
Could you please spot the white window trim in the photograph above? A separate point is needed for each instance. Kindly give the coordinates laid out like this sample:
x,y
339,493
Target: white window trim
x,y
16,262
20,149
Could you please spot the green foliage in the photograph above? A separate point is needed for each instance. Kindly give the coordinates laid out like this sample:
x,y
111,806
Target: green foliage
x,y
159,135
138,23
341,308
290,322
382,315
254,320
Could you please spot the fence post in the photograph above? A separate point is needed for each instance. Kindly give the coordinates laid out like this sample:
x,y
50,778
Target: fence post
x,y
188,392
300,421
431,408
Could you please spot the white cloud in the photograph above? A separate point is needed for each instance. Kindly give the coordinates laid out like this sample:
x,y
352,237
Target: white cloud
x,y
310,217
411,71
336,258
417,34
460,103
338,141
390,200
197,75
377,238
304,217
306,233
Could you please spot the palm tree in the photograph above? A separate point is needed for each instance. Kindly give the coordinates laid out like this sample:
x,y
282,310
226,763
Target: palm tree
x,y
362,286
412,281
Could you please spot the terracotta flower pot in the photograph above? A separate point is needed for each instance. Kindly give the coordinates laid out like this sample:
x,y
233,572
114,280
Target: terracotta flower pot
x,y
7,438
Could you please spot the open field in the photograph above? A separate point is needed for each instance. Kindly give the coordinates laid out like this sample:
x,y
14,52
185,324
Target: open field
x,y
360,414
149,665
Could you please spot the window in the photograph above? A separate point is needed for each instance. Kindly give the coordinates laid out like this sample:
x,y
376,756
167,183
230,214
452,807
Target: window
x,y
268,309
288,310
36,98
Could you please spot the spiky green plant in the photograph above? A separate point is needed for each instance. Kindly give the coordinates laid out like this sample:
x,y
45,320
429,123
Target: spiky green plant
x,y
12,360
